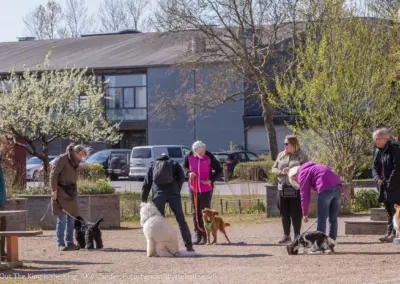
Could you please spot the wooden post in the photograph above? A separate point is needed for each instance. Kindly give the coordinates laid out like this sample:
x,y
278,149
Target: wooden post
x,y
184,206
226,206
222,206
240,206
12,249
258,205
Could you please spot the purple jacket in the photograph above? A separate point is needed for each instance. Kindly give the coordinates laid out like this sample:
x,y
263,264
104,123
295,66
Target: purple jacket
x,y
320,177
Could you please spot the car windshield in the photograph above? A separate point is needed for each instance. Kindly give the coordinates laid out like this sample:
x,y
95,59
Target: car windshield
x,y
141,153
222,157
34,161
98,158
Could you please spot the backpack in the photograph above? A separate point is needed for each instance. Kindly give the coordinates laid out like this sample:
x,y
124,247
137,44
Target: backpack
x,y
163,173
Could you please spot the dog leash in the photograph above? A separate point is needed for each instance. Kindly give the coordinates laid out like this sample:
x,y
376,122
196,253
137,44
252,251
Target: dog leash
x,y
62,209
195,187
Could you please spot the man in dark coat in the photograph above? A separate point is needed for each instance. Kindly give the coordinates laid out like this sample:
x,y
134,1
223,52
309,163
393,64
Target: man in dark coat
x,y
386,173
168,192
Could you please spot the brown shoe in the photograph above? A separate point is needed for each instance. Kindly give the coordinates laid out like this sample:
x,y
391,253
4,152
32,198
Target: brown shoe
x,y
387,238
285,239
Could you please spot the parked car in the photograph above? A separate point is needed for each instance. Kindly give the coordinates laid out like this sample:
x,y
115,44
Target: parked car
x,y
114,161
232,158
143,156
40,171
33,166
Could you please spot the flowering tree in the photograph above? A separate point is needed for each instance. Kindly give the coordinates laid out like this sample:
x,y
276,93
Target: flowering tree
x,y
42,105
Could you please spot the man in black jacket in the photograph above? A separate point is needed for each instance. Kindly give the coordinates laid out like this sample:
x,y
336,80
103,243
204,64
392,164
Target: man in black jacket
x,y
386,173
168,192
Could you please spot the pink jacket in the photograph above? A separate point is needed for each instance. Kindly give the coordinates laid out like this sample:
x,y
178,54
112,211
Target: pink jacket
x,y
202,168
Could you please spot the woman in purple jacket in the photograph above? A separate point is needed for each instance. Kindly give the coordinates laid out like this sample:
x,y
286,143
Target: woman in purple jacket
x,y
202,169
329,189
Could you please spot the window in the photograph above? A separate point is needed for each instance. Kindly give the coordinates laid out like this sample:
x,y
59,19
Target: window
x,y
175,152
98,158
242,157
185,151
251,156
222,157
127,97
141,153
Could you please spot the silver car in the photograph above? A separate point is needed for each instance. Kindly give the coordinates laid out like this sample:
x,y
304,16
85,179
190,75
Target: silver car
x,y
142,157
32,167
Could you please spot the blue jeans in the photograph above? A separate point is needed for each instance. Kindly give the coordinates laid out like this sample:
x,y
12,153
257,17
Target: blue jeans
x,y
65,223
329,202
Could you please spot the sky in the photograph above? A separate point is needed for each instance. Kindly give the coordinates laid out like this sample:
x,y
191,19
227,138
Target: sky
x,y
13,11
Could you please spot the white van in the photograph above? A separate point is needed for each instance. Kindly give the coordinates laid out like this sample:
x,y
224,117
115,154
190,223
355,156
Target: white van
x,y
143,156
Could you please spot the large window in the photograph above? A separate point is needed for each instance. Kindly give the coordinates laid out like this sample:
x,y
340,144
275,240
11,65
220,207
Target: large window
x,y
127,97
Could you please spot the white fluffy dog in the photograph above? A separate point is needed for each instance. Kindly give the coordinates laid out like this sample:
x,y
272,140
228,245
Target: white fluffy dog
x,y
162,239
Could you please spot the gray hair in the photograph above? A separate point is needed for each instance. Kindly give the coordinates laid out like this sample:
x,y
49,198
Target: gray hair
x,y
293,172
197,146
82,149
381,133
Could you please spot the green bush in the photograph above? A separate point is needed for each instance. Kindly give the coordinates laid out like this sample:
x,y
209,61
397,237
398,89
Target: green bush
x,y
364,171
366,199
101,186
92,172
256,171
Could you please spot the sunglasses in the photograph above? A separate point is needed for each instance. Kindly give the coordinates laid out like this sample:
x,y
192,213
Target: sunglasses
x,y
285,144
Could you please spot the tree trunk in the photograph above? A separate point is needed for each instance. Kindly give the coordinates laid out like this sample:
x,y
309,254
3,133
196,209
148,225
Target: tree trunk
x,y
46,166
268,115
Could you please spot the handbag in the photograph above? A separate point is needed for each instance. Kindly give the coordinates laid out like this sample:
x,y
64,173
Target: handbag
x,y
70,189
288,191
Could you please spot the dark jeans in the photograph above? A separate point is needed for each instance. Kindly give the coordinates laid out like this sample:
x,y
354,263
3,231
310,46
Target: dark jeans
x,y
176,206
329,202
203,201
390,211
290,209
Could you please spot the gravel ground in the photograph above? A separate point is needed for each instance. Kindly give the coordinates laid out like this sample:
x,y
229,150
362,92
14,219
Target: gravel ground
x,y
253,257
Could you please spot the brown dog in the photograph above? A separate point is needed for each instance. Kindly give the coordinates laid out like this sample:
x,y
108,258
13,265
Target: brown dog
x,y
212,224
396,220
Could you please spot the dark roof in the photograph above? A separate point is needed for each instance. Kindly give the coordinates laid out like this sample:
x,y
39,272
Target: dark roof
x,y
127,49
95,52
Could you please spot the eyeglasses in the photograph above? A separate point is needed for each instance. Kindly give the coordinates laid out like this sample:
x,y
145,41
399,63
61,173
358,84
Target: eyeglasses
x,y
285,144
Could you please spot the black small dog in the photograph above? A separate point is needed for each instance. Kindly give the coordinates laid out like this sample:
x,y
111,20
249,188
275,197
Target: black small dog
x,y
317,240
85,234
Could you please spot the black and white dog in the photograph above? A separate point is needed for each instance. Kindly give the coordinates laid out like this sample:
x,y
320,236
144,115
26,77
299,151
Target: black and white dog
x,y
86,235
316,240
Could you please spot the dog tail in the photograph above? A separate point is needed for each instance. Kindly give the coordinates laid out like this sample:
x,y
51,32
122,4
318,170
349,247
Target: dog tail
x,y
226,225
96,225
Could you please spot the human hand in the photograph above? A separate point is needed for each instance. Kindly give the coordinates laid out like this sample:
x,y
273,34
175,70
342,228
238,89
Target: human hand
x,y
54,195
285,171
380,182
192,175
305,219
206,182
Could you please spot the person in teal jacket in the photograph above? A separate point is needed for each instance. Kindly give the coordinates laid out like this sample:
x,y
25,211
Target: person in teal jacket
x,y
3,220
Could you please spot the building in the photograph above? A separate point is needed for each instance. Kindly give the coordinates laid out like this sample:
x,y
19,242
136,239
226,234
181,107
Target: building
x,y
137,66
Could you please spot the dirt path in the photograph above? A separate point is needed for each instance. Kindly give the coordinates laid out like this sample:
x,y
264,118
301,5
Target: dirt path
x,y
254,259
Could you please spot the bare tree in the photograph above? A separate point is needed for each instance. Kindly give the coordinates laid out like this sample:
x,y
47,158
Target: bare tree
x,y
45,21
135,10
383,8
247,41
113,16
77,19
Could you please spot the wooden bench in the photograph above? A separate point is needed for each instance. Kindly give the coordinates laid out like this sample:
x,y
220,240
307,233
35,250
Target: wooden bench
x,y
12,243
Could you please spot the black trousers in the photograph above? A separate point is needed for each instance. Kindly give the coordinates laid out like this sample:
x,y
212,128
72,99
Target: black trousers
x,y
390,211
290,209
203,201
175,203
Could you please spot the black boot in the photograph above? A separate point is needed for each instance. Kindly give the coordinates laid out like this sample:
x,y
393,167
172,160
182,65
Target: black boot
x,y
203,239
189,248
198,240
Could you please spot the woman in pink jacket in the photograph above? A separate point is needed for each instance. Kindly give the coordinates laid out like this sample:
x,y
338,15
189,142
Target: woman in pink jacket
x,y
202,169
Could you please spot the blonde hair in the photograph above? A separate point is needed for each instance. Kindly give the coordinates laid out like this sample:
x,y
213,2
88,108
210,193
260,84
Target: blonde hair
x,y
292,140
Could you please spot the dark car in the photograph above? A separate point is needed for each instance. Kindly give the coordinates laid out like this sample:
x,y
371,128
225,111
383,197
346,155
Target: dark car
x,y
114,161
232,158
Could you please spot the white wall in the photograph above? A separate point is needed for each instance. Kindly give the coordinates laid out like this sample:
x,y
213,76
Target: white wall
x,y
257,138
